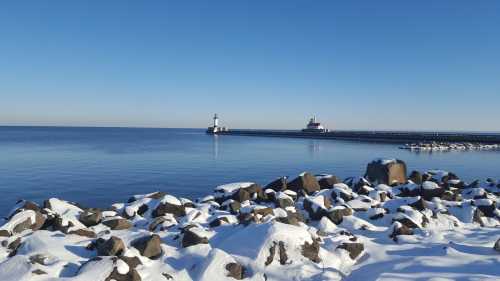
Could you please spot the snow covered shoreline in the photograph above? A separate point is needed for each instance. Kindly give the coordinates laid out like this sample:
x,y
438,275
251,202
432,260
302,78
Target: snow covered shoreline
x,y
382,226
450,146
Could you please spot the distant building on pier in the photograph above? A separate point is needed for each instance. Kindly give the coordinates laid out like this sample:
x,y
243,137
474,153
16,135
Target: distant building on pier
x,y
314,127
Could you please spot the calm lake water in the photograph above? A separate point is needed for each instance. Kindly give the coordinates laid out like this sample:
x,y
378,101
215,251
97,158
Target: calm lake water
x,y
100,166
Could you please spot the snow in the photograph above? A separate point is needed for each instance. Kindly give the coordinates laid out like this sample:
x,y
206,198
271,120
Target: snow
x,y
230,188
122,267
385,161
483,202
430,185
171,200
449,242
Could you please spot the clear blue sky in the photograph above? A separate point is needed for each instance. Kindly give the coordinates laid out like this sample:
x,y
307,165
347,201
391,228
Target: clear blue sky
x,y
259,64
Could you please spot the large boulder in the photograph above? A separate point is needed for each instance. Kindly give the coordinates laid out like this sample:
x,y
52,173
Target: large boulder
x,y
117,223
317,206
354,249
91,217
337,214
304,182
386,171
327,181
416,177
279,184
170,205
311,251
192,237
241,195
148,246
431,189
24,220
235,270
114,246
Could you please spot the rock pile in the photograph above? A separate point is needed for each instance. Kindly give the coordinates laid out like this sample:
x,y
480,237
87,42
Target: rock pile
x,y
288,229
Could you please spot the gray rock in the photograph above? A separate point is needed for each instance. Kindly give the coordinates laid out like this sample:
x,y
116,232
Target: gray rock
x,y
167,208
415,177
149,246
235,270
304,183
241,195
497,246
83,232
419,204
190,238
354,249
311,251
218,221
386,173
279,184
91,217
291,218
117,224
284,202
336,215
328,182
29,224
315,211
114,246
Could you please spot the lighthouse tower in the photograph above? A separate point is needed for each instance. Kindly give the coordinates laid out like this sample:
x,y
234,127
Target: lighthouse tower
x,y
216,121
214,129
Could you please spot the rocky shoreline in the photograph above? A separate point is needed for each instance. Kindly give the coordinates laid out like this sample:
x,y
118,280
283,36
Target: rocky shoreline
x,y
449,146
312,227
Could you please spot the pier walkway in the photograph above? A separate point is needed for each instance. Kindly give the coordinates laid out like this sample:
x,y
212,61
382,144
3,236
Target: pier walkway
x,y
375,136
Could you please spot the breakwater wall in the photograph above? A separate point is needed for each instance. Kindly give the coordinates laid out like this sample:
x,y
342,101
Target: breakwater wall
x,y
375,136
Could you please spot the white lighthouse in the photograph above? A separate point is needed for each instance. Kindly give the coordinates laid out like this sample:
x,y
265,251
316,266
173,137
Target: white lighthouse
x,y
214,129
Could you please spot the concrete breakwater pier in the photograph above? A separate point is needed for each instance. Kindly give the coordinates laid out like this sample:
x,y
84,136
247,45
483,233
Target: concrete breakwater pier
x,y
375,136
315,130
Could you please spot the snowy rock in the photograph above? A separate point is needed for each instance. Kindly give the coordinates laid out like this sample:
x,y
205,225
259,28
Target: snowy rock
x,y
231,206
415,177
354,249
170,205
283,201
431,189
193,236
291,218
235,270
114,246
148,246
21,221
305,182
400,229
497,245
117,223
91,217
311,251
386,171
327,181
336,214
317,206
279,184
419,204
